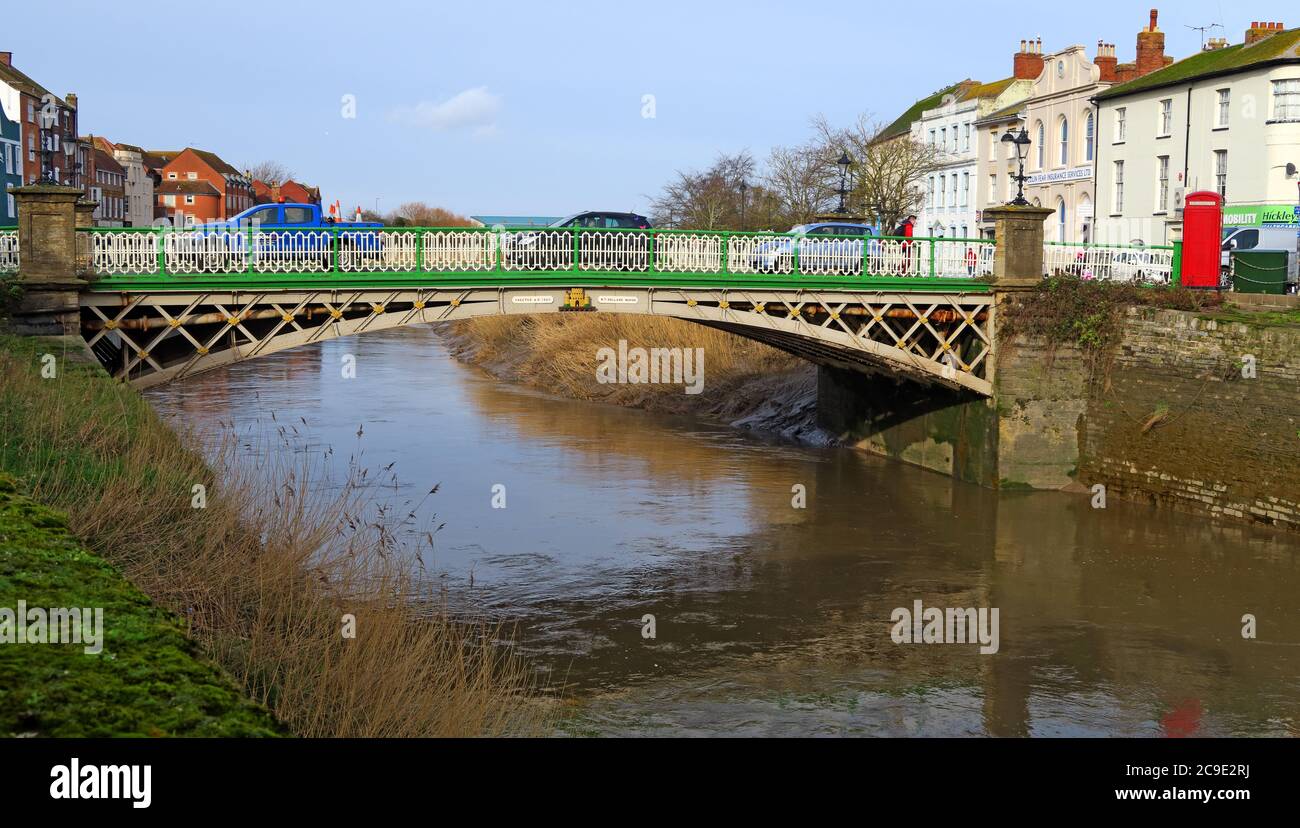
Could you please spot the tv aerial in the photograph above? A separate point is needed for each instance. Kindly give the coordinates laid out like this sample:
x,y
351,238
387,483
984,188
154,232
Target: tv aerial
x,y
1204,30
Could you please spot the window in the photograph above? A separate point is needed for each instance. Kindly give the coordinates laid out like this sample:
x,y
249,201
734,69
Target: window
x,y
929,197
1089,134
943,138
171,176
1065,142
993,188
189,199
1119,187
169,200
952,197
301,215
1166,118
965,189
1060,219
1221,173
943,191
994,140
1162,188
31,112
1121,125
1042,140
31,148
1286,100
1225,107
965,138
931,140
192,176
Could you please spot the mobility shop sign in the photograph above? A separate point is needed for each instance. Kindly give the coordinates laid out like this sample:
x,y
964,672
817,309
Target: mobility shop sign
x,y
1261,215
1060,176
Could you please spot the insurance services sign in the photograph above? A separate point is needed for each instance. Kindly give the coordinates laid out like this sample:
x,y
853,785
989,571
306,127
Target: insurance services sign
x,y
1060,176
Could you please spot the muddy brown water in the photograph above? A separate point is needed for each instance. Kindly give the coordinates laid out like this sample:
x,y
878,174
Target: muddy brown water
x,y
771,619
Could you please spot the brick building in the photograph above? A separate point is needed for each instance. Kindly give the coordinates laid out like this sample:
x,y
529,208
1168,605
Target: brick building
x,y
105,184
288,191
59,135
183,174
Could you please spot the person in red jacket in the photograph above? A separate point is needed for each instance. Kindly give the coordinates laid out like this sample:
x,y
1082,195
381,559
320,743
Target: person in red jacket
x,y
905,231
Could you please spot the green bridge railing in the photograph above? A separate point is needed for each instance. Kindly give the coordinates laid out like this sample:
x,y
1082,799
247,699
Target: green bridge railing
x,y
219,257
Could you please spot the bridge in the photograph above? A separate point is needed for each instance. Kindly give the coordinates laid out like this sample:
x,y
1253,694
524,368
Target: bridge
x,y
904,331
163,304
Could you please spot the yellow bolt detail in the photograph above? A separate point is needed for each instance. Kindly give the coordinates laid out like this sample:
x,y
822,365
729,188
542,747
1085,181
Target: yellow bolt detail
x,y
174,323
144,355
834,315
232,320
419,305
203,349
690,303
923,319
455,303
110,325
378,308
724,304
760,309
336,314
287,317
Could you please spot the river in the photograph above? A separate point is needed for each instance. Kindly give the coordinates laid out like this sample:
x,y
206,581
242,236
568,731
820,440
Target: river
x,y
771,619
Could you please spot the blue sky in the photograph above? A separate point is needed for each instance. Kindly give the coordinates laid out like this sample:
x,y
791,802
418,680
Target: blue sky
x,y
534,108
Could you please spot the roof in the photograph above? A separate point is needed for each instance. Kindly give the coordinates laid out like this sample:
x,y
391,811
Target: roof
x,y
1006,114
23,83
105,161
1283,46
210,158
903,124
988,90
199,187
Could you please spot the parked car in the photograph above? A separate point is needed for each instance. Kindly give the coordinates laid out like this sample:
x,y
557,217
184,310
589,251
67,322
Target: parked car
x,y
289,236
553,248
822,246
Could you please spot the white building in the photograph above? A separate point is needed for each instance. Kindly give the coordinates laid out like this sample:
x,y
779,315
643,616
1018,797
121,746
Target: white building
x,y
1226,119
953,190
139,185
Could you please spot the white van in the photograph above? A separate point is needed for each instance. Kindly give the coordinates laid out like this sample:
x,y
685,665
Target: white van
x,y
1258,238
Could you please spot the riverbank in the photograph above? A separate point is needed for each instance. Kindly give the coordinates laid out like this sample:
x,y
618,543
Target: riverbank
x,y
285,588
746,385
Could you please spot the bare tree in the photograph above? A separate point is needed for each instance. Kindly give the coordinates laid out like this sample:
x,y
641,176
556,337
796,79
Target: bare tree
x,y
270,172
888,171
706,200
797,178
419,214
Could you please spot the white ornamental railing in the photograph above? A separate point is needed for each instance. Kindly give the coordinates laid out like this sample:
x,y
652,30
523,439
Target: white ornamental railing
x,y
438,250
1109,262
8,250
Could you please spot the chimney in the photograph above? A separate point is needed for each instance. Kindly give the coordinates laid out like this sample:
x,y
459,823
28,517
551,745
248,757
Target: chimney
x,y
1107,62
71,100
1259,31
7,58
1214,44
1151,47
1028,62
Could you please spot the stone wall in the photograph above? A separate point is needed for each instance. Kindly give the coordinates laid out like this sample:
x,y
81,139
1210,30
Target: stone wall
x,y
1222,444
1171,421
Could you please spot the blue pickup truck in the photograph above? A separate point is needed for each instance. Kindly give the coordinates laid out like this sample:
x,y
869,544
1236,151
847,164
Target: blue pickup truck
x,y
292,217
290,236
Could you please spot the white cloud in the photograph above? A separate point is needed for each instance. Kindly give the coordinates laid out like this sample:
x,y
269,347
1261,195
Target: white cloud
x,y
475,109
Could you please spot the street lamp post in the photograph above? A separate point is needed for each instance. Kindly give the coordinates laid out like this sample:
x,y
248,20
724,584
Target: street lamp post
x,y
1021,142
844,163
743,187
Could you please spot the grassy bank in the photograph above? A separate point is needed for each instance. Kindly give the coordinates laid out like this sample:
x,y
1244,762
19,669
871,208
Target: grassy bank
x,y
266,572
745,382
148,679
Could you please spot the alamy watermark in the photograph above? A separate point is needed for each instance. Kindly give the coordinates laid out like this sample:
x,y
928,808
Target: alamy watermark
x,y
57,625
946,625
654,366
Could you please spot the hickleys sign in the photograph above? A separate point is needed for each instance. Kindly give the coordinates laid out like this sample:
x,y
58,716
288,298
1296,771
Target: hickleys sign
x,y
1261,215
1060,176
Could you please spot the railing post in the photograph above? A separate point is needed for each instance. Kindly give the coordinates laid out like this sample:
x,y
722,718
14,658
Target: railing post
x,y
794,253
1018,257
577,260
248,266
48,261
335,242
723,252
160,240
932,270
650,236
419,250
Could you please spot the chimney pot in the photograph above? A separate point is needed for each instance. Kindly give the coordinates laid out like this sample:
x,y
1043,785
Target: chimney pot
x,y
7,58
1155,16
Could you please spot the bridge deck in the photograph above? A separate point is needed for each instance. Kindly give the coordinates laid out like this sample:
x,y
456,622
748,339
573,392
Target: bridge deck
x,y
152,259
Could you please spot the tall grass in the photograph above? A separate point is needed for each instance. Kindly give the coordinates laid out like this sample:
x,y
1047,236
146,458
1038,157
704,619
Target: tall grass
x,y
266,571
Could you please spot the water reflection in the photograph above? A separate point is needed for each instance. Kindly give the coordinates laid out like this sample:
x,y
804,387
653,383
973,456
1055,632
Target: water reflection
x,y
772,619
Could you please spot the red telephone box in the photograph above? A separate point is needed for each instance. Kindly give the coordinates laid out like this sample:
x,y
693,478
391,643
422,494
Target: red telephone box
x,y
1202,238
